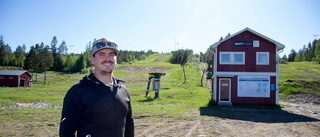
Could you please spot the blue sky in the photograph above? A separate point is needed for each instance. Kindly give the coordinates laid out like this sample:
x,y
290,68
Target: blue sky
x,y
156,24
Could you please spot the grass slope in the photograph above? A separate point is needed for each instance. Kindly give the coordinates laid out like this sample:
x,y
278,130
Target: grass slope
x,y
175,102
299,77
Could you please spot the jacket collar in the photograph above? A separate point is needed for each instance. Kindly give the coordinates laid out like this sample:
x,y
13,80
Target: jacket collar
x,y
94,80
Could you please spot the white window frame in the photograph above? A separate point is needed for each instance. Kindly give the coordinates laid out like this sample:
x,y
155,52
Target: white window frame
x,y
222,53
257,58
232,61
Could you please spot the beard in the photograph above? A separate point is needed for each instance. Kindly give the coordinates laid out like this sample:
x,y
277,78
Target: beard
x,y
108,70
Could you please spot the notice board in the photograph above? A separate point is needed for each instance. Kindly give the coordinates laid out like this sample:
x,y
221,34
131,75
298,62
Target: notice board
x,y
253,86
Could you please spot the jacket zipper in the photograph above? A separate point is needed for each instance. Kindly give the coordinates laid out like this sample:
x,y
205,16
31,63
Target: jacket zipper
x,y
115,109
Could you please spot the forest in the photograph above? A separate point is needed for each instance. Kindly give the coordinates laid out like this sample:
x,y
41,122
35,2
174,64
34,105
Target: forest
x,y
55,57
310,53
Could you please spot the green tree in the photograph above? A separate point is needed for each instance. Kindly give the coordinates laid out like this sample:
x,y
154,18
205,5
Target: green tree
x,y
312,50
63,48
69,63
317,52
129,56
36,59
87,55
2,50
284,59
80,64
24,48
303,56
297,58
20,56
308,52
59,62
180,56
28,61
5,53
46,60
292,55
54,43
32,61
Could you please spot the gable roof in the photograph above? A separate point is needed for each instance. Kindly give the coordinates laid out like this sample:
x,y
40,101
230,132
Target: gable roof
x,y
279,45
13,72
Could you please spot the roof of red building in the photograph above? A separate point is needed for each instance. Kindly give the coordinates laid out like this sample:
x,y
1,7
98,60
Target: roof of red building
x,y
13,72
278,44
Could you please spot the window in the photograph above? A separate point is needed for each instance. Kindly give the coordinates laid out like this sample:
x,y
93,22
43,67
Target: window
x,y
225,58
232,58
10,77
262,58
238,58
1,77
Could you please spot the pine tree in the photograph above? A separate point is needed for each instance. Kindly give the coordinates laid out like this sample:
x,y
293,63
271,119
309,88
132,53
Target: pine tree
x,y
317,52
54,43
292,55
46,60
2,52
63,49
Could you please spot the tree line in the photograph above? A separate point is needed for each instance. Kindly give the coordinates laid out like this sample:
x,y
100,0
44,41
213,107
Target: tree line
x,y
54,57
180,56
307,53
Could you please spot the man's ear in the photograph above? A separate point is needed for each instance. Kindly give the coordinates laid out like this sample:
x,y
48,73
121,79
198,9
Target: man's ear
x,y
92,60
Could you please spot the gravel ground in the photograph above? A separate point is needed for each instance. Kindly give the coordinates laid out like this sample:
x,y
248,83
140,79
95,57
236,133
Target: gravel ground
x,y
300,116
32,105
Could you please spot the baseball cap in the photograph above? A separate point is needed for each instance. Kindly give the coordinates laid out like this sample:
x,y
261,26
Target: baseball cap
x,y
103,43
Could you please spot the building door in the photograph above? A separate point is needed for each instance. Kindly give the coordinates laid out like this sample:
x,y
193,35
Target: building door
x,y
22,81
224,89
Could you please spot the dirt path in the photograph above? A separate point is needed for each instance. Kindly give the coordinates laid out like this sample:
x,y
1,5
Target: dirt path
x,y
294,119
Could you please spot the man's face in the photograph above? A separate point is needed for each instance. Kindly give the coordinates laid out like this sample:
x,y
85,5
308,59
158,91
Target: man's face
x,y
104,61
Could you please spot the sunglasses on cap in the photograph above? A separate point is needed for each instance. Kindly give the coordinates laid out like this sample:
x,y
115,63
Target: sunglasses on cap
x,y
101,43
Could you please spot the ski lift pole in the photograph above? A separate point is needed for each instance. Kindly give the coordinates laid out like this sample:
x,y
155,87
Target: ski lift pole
x,y
147,91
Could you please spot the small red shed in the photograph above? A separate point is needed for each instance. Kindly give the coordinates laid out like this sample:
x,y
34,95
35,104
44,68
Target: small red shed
x,y
15,78
245,69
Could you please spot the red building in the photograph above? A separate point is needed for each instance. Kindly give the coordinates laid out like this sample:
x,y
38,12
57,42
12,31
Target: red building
x,y
15,78
245,69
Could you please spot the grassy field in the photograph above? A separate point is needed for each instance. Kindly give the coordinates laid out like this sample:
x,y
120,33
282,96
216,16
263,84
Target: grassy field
x,y
176,99
299,77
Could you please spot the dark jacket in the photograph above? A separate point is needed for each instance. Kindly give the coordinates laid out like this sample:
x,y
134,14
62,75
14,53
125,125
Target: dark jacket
x,y
93,109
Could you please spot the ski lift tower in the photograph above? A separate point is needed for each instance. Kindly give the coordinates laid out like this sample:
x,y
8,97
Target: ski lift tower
x,y
155,77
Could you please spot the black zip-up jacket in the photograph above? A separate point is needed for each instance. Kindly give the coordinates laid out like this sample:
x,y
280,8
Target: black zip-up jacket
x,y
93,109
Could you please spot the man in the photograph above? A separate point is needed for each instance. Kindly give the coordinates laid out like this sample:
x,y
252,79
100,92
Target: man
x,y
99,105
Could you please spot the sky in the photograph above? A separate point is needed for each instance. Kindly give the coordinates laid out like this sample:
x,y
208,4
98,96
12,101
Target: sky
x,y
157,25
